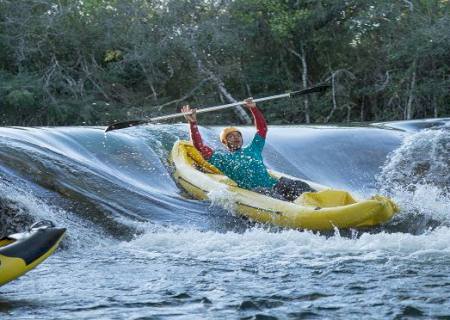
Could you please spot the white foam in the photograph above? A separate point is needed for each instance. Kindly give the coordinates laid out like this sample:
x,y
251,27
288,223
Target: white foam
x,y
289,244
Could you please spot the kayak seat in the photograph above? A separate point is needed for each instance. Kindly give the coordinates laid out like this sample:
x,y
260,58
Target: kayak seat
x,y
325,199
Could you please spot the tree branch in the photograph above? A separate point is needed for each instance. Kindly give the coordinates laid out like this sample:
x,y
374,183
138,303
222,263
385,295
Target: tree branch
x,y
186,96
221,86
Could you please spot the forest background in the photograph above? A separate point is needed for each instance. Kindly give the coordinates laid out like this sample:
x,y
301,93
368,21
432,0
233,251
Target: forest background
x,y
93,62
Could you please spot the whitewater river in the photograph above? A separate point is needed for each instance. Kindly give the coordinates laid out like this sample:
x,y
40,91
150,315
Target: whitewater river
x,y
138,248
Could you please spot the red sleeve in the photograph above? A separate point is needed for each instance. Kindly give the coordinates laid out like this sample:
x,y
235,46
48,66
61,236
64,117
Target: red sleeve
x,y
198,143
260,122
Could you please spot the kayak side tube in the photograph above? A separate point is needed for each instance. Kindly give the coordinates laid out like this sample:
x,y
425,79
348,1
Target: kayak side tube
x,y
19,253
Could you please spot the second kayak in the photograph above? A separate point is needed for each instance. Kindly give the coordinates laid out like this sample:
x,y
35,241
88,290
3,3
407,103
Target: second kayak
x,y
21,252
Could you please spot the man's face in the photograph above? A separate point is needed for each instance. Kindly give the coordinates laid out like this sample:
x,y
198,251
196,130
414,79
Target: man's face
x,y
234,141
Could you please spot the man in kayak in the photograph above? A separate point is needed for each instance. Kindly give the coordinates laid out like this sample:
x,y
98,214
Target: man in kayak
x,y
245,165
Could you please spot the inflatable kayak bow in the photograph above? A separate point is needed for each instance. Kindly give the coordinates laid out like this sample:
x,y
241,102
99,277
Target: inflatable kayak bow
x,y
21,252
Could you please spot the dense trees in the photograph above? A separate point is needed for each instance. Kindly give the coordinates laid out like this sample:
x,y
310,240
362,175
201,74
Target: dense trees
x,y
95,61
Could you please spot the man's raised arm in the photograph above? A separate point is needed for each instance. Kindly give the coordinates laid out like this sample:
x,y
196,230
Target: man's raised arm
x,y
258,118
195,133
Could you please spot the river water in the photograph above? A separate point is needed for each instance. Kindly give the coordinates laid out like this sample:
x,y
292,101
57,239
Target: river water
x,y
138,248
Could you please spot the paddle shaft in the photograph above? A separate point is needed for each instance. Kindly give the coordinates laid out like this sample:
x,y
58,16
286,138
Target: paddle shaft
x,y
225,106
131,123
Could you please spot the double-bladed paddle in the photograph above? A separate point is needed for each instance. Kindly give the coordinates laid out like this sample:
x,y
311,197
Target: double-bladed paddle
x,y
132,123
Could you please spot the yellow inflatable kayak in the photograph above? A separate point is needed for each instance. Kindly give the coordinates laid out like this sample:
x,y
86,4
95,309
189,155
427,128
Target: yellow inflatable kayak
x,y
321,210
21,252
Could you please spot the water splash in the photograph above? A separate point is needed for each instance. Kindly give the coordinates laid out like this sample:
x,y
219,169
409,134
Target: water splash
x,y
417,176
223,198
27,207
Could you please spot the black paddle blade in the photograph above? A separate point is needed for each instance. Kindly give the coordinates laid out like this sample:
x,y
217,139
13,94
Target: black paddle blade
x,y
125,124
319,88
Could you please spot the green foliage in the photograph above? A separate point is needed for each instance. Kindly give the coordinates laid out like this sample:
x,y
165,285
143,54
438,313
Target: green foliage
x,y
20,100
113,56
20,97
96,61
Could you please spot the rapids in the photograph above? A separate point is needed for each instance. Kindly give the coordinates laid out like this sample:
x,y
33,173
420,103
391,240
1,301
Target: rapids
x,y
138,248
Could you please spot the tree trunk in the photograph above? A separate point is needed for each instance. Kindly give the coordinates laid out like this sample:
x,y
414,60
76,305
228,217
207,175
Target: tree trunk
x,y
239,110
305,85
249,91
433,93
302,57
409,106
148,79
435,107
333,92
349,112
155,95
362,110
